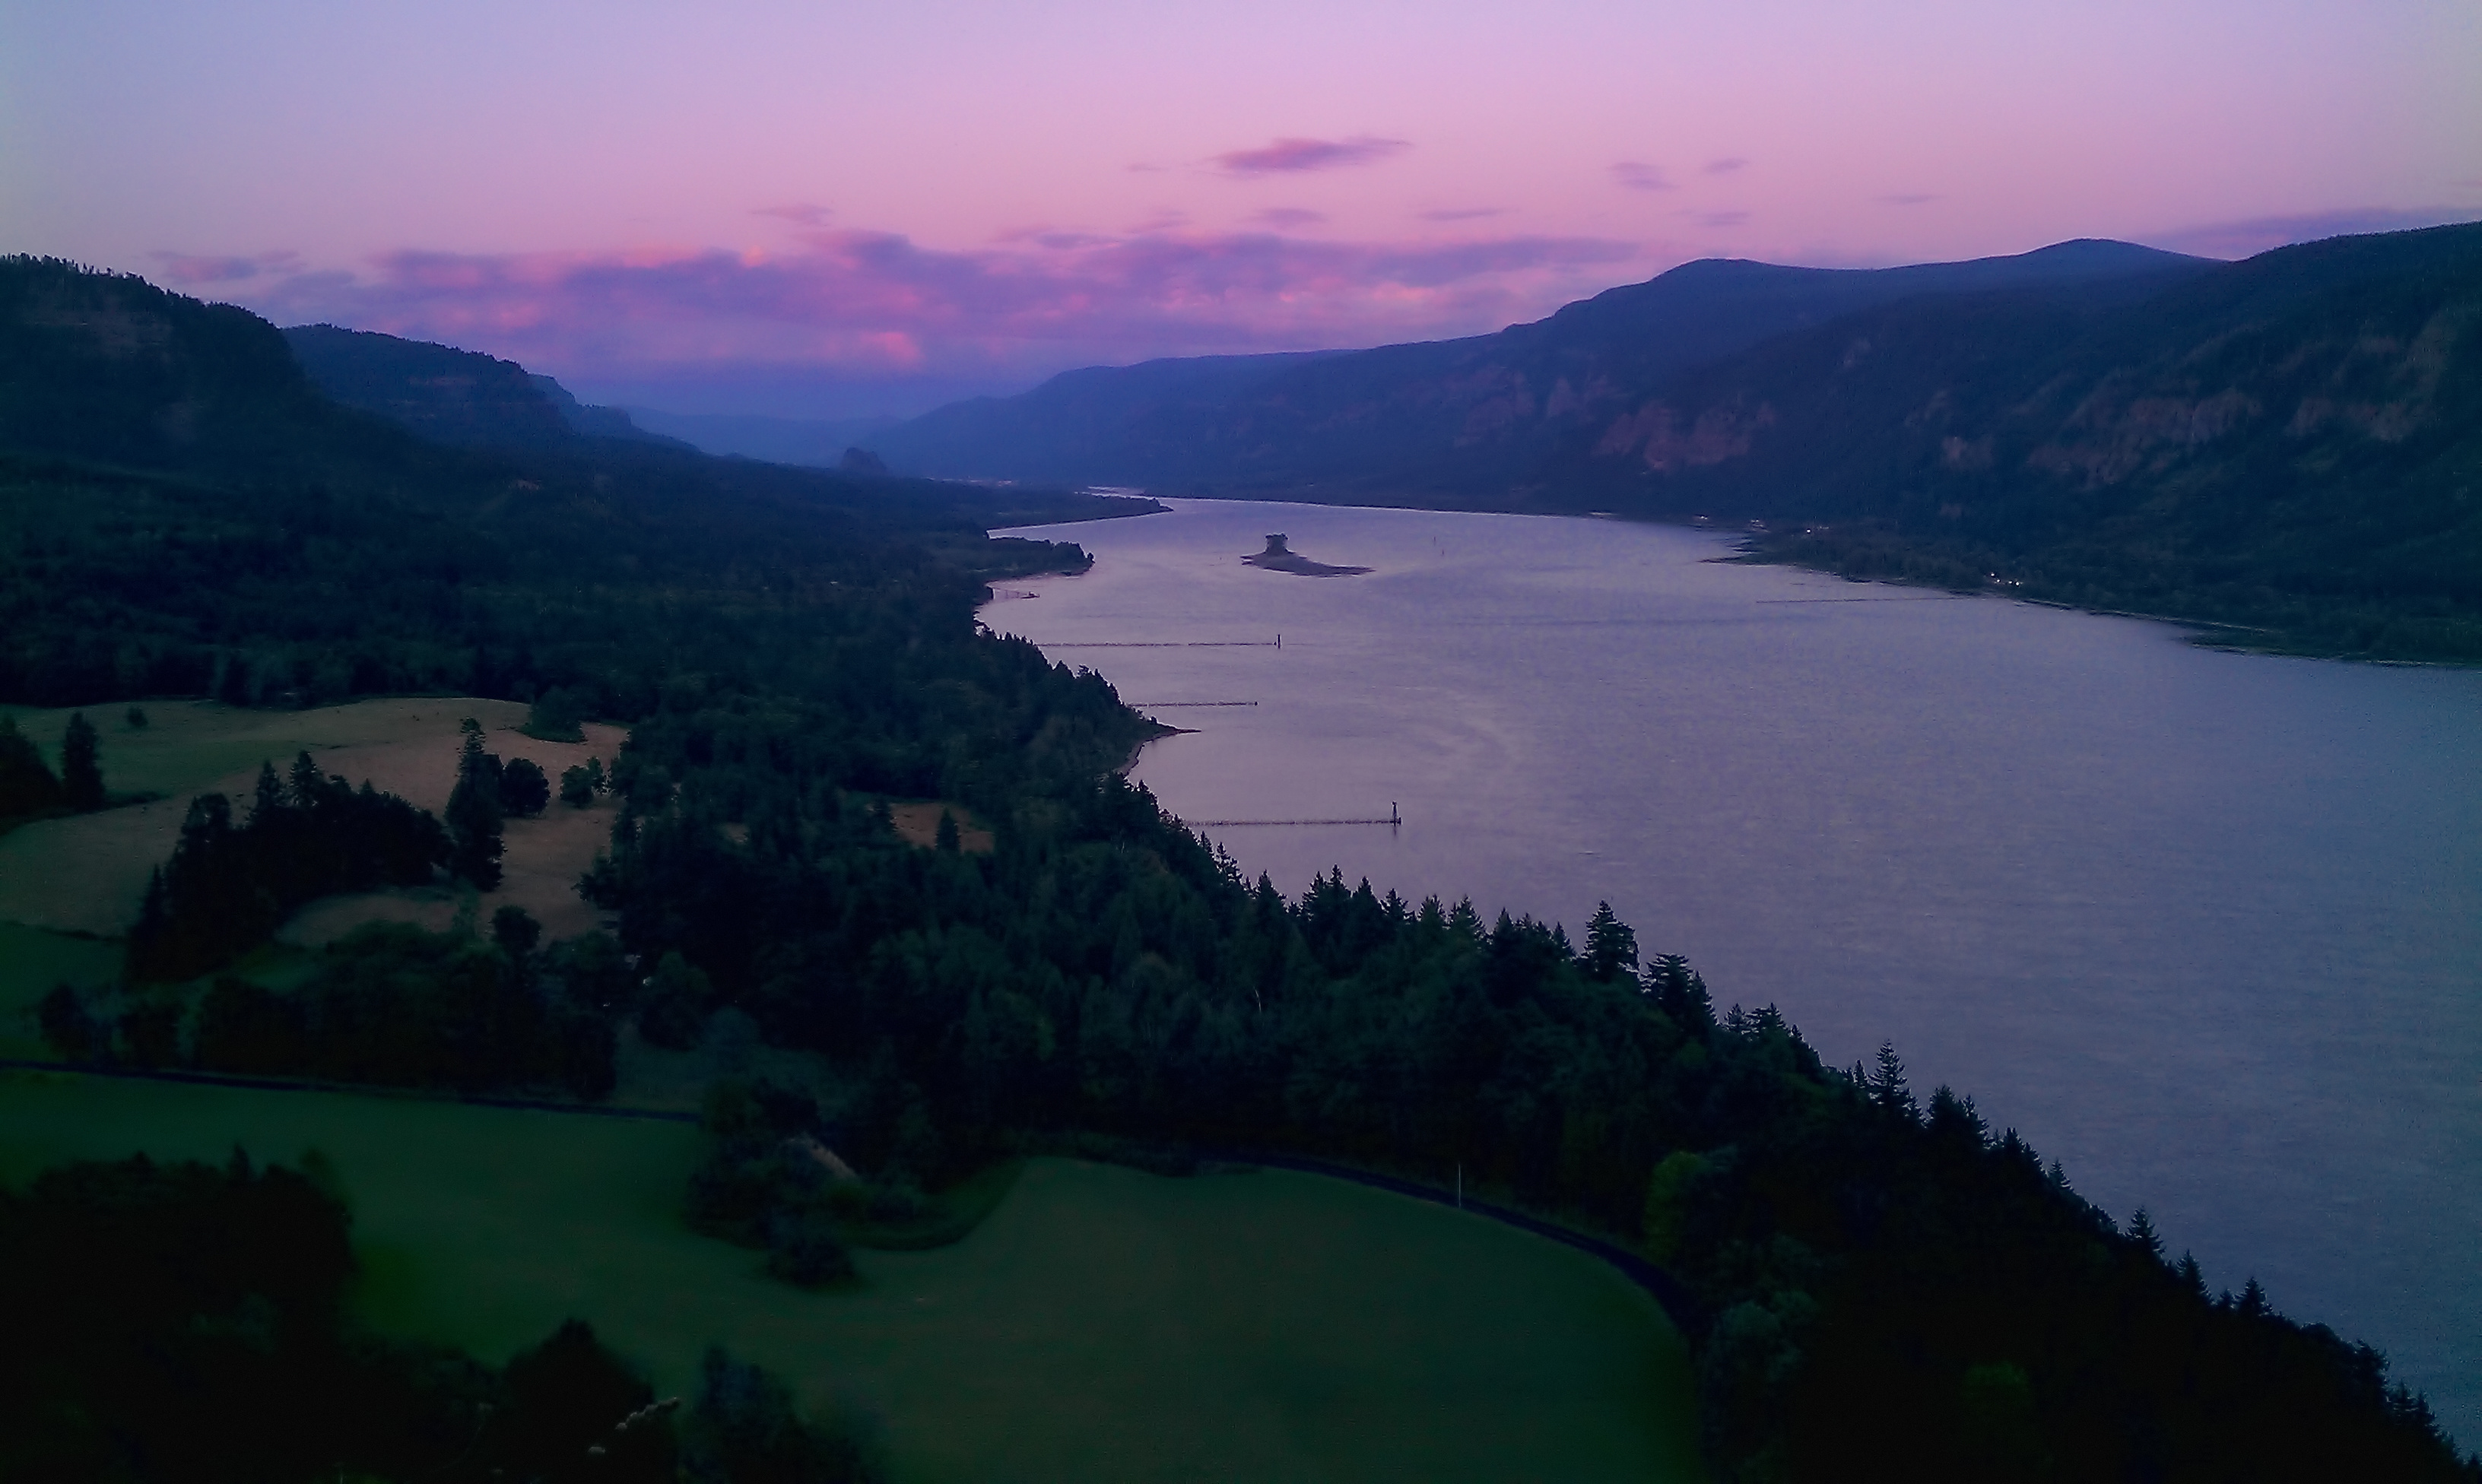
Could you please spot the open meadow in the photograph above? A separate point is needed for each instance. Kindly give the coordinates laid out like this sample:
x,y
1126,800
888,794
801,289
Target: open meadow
x,y
87,873
31,960
1101,1325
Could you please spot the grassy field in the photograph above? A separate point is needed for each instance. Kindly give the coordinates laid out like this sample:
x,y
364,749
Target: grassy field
x,y
31,962
1101,1325
87,873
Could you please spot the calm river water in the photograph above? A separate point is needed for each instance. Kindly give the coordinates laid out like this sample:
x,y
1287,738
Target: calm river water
x,y
2206,927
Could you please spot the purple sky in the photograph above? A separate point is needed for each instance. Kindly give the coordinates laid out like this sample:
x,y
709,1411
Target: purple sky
x,y
811,209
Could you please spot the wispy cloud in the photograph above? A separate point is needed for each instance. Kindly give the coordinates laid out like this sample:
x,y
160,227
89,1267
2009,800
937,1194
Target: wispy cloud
x,y
874,304
1718,217
1908,198
1282,217
193,268
1293,156
2258,234
1638,175
798,213
1463,213
1727,166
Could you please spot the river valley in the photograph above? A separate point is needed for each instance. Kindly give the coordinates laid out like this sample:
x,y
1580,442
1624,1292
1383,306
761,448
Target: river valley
x,y
2204,926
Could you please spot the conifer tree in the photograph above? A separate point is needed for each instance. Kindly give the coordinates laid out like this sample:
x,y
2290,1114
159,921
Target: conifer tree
x,y
26,785
81,764
1611,945
1887,1084
474,815
2141,1230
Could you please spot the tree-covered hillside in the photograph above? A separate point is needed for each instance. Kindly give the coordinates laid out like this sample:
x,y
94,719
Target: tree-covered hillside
x,y
2292,444
1461,419
183,513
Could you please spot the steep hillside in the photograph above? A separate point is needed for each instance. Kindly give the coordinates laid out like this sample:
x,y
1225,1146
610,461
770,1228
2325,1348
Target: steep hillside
x,y
1458,415
109,367
1102,423
452,395
182,513
2292,444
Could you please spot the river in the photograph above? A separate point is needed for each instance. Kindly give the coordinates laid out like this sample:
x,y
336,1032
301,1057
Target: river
x,y
2204,926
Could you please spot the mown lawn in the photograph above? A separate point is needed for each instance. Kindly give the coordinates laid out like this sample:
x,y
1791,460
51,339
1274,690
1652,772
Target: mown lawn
x,y
1102,1324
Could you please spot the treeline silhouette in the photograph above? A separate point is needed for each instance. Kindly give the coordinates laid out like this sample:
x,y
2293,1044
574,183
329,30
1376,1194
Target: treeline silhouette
x,y
389,1003
28,789
228,886
180,1321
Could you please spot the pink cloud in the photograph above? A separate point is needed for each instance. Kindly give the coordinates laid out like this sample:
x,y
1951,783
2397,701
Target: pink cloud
x,y
875,302
1908,198
1463,213
1281,217
1728,166
1291,156
1638,175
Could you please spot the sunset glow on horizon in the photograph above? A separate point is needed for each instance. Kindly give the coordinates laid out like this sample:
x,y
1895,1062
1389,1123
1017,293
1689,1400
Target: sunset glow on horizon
x,y
821,211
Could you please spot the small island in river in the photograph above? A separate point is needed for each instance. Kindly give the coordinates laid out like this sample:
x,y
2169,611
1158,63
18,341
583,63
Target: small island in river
x,y
1280,557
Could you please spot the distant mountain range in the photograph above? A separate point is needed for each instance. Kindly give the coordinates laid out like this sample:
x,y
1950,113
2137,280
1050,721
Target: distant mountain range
x,y
2290,445
1451,417
782,440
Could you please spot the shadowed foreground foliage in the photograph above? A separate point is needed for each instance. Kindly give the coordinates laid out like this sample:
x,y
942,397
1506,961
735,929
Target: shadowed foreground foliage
x,y
184,1322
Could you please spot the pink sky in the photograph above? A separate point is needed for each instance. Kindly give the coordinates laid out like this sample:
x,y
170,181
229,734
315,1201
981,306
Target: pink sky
x,y
814,209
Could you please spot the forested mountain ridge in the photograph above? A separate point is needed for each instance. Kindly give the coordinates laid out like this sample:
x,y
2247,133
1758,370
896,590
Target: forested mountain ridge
x,y
2289,445
452,395
182,513
1455,416
2292,444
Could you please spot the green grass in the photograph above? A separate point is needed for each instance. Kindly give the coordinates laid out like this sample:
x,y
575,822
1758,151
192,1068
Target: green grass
x,y
31,960
1101,1325
952,1216
187,745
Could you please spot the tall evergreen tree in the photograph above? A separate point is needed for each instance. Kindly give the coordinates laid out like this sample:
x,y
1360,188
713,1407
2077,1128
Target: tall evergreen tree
x,y
1680,993
2141,1230
235,689
82,765
26,785
1611,945
1887,1084
474,816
